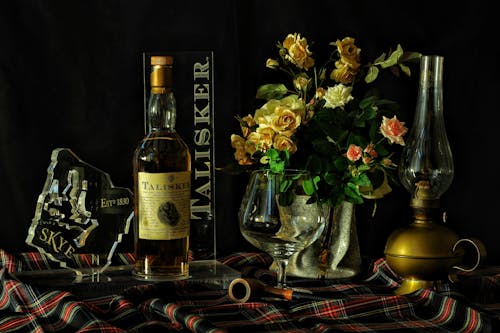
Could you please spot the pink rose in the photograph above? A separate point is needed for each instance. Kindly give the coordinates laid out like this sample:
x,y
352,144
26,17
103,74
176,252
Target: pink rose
x,y
393,130
354,153
370,150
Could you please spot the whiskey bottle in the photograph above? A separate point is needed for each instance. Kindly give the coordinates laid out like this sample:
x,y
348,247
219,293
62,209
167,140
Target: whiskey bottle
x,y
162,185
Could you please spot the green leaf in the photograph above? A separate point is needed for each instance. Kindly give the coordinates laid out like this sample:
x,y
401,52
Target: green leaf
x,y
308,187
367,102
314,164
381,150
316,180
286,198
372,74
358,140
385,102
285,185
331,178
364,167
380,58
362,180
368,114
393,58
340,163
324,147
276,163
373,130
322,74
271,91
277,167
359,122
405,69
377,178
273,154
410,57
286,156
351,191
337,195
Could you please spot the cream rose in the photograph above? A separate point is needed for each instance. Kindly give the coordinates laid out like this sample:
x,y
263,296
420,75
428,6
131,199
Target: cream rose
x,y
337,96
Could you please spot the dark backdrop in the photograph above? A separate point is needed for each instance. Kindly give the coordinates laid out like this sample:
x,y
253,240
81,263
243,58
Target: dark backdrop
x,y
70,76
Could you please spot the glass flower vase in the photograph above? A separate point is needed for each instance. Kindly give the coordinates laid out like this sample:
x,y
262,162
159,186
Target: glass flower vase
x,y
336,253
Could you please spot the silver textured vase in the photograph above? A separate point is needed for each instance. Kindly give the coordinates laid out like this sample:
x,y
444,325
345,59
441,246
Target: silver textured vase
x,y
336,253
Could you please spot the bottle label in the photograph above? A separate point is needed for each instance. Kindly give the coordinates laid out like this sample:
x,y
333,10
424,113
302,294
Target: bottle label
x,y
164,204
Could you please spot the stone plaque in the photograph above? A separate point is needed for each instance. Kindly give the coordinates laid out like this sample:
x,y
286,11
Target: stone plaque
x,y
79,212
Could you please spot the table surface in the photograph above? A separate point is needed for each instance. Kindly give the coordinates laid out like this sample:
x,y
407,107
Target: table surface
x,y
366,303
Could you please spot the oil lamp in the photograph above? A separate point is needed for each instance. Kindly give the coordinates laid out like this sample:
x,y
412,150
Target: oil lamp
x,y
424,252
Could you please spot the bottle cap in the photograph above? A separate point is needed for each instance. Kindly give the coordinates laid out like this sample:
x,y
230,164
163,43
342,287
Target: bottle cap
x,y
161,71
162,60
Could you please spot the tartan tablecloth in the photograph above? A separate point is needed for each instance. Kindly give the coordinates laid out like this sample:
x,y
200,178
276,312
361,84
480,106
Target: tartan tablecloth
x,y
363,304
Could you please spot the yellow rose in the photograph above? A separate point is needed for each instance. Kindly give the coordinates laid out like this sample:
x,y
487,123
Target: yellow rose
x,y
285,121
301,83
249,121
256,141
240,154
298,51
271,63
264,115
246,125
282,142
320,93
349,53
267,114
266,135
237,142
343,74
243,158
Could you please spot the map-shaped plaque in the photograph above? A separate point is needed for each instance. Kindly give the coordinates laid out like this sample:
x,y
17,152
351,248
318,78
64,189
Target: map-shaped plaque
x,y
79,212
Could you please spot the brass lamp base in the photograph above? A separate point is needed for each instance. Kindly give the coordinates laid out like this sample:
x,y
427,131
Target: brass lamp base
x,y
422,254
410,285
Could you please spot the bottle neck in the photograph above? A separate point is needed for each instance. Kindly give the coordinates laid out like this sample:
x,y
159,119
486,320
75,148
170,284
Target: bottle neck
x,y
161,113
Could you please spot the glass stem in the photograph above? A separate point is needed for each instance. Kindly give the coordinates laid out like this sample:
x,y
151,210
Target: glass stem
x,y
281,273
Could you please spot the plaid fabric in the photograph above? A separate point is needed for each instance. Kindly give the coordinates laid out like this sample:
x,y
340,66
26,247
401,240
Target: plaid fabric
x,y
363,304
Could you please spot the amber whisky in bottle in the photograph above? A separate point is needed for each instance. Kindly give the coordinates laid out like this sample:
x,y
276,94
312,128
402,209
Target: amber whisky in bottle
x,y
162,185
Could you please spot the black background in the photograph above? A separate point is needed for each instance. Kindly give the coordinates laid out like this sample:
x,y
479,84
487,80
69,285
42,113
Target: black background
x,y
71,76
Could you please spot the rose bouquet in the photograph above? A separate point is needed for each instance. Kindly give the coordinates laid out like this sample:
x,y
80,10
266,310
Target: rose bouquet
x,y
328,119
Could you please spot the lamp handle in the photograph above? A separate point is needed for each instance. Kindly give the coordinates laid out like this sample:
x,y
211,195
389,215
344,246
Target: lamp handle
x,y
480,251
